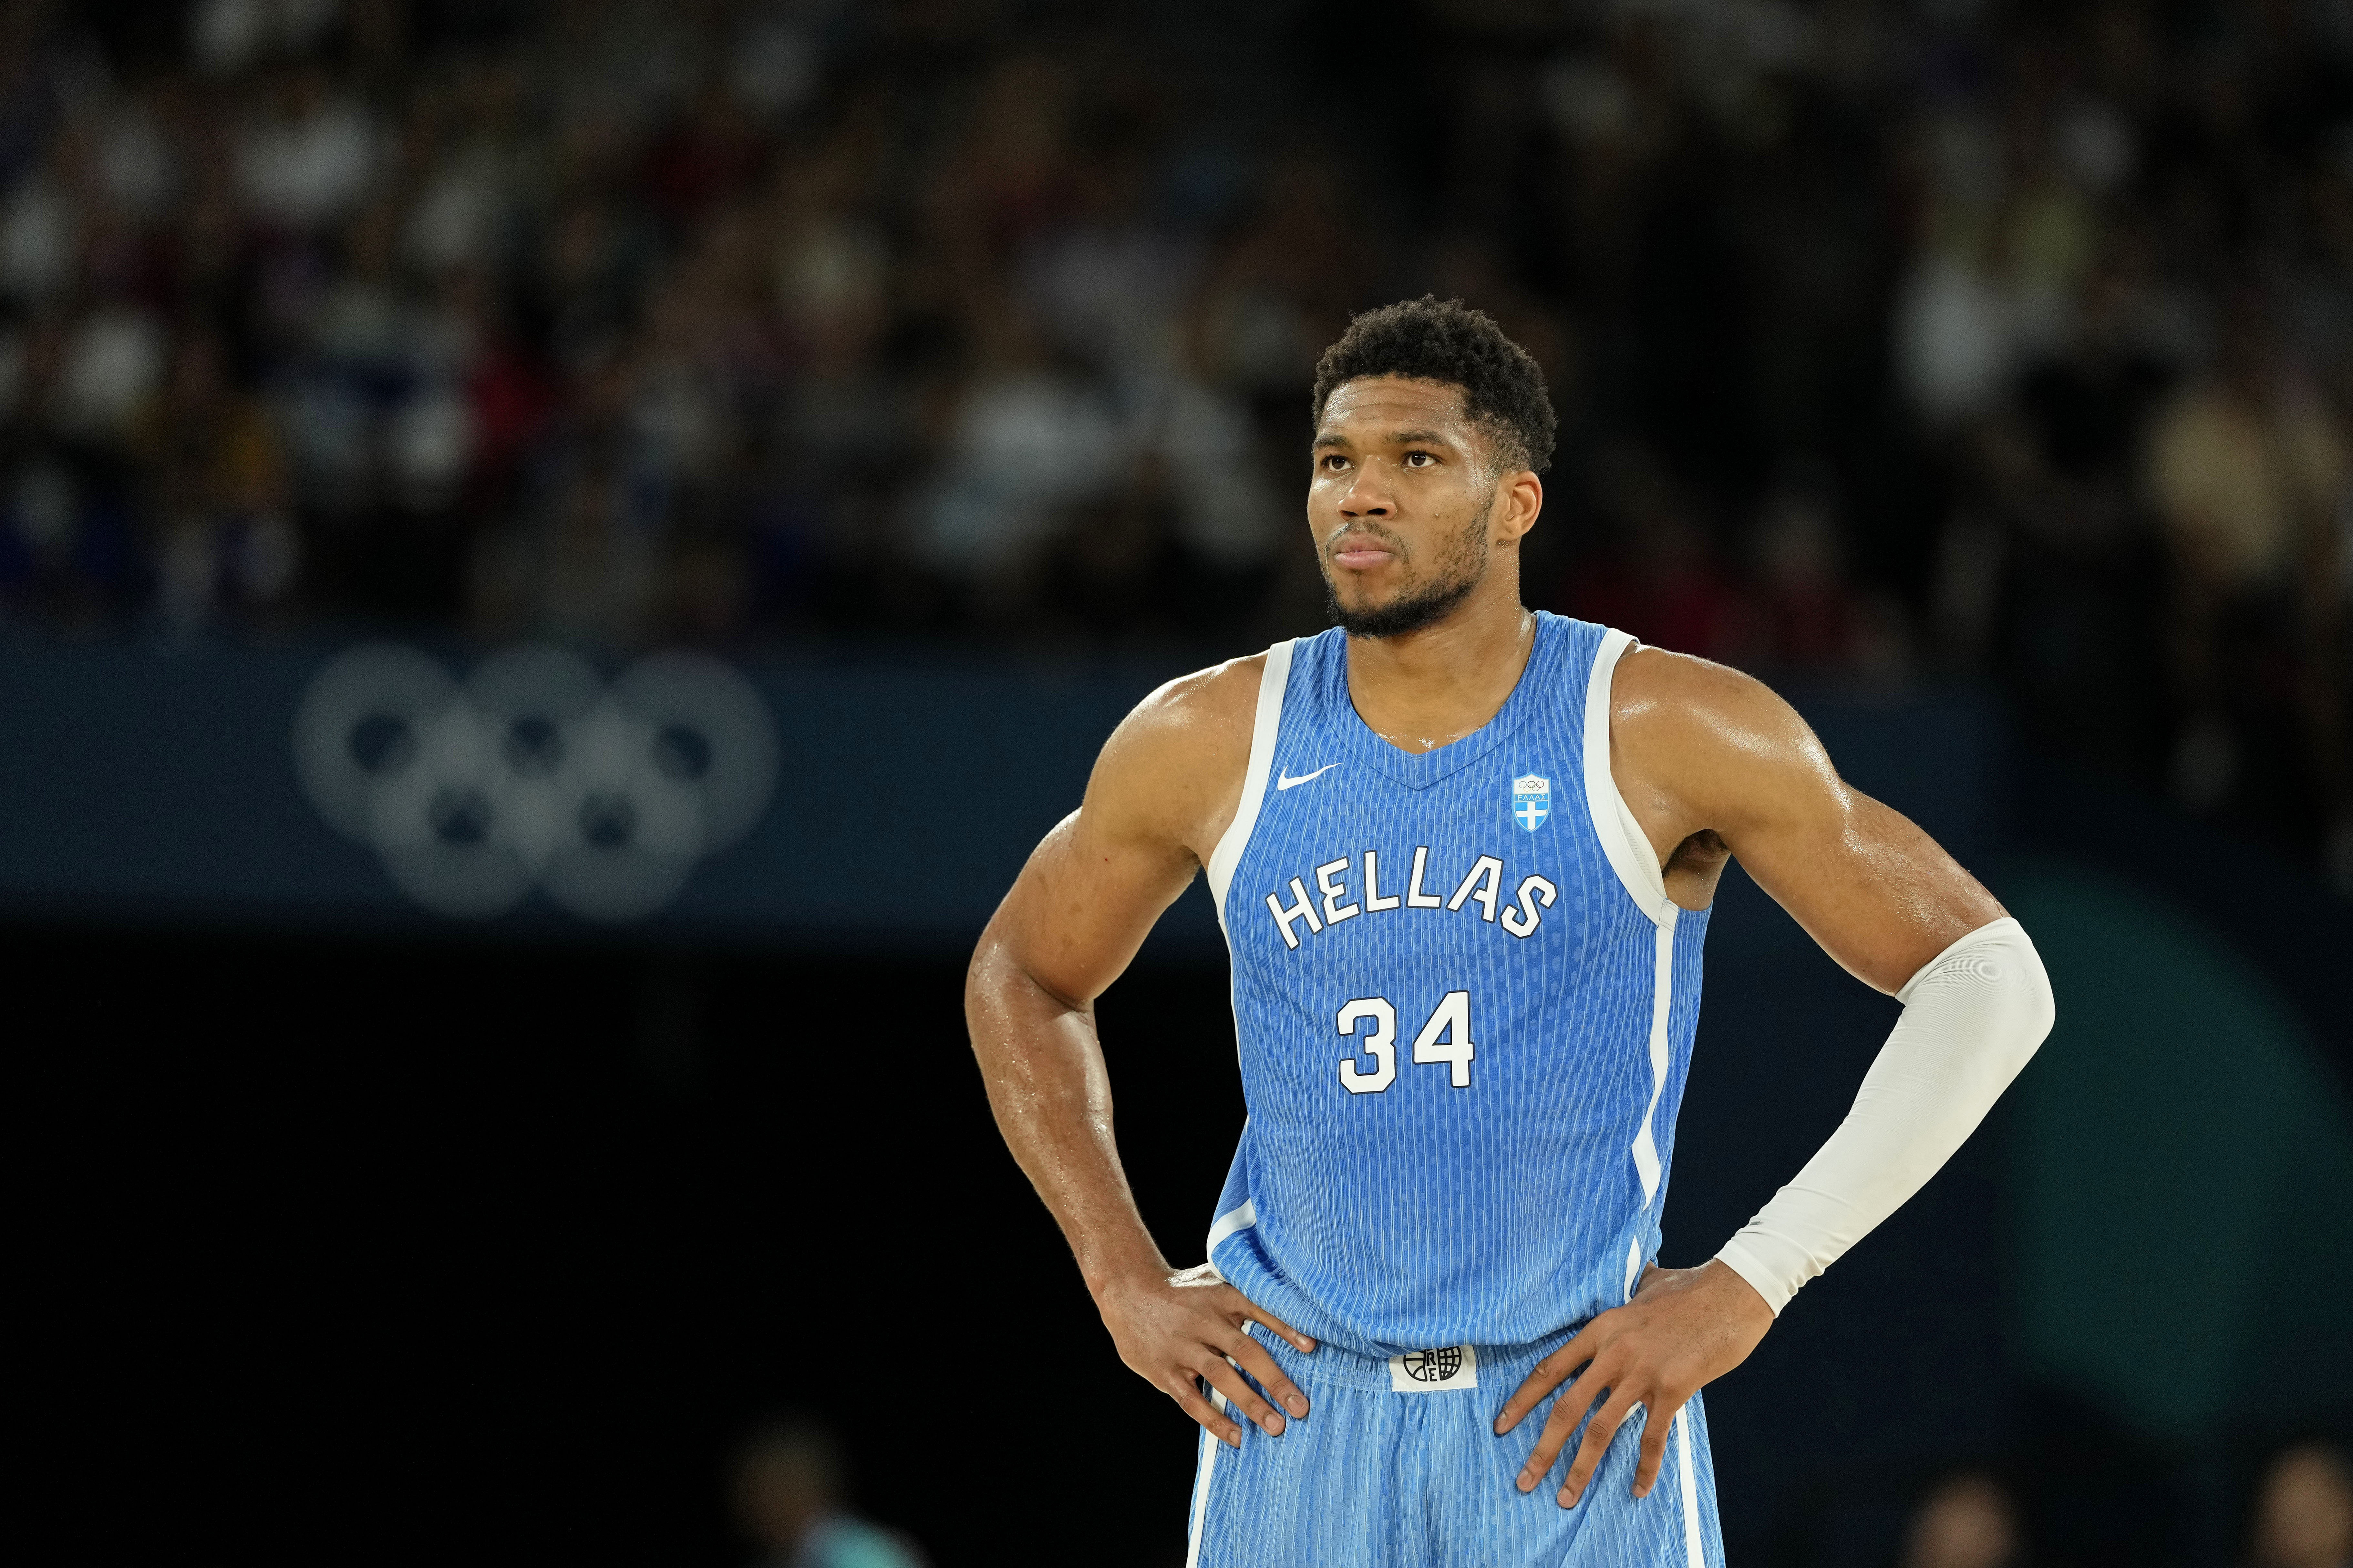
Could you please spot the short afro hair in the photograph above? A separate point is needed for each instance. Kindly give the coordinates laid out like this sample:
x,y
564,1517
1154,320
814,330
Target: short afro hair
x,y
1432,338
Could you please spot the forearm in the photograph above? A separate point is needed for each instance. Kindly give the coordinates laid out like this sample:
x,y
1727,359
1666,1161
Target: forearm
x,y
1052,1096
1973,1017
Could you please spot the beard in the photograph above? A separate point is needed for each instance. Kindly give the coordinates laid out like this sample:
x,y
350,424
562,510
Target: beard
x,y
1458,573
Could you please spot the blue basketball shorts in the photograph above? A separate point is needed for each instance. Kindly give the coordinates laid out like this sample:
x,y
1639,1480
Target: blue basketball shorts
x,y
1398,1465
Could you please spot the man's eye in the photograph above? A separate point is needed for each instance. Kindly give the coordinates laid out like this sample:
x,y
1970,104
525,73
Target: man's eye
x,y
1334,462
1418,459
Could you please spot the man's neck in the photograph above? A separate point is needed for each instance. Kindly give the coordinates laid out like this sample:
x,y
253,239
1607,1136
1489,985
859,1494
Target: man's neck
x,y
1427,688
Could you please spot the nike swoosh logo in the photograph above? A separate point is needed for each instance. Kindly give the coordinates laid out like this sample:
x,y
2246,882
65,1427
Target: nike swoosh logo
x,y
1286,781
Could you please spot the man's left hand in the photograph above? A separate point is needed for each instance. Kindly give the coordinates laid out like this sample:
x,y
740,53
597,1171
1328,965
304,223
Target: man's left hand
x,y
1684,1329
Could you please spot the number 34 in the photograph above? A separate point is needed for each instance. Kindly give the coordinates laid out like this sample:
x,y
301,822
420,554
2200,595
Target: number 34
x,y
1445,1038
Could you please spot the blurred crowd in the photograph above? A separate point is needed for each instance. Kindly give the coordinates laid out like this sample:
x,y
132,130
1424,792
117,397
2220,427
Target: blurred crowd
x,y
790,1500
2300,1516
1890,338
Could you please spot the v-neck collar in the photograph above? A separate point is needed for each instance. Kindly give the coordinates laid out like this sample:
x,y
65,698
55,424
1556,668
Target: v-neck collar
x,y
1419,770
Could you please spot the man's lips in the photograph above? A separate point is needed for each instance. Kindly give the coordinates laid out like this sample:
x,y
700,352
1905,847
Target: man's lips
x,y
1361,554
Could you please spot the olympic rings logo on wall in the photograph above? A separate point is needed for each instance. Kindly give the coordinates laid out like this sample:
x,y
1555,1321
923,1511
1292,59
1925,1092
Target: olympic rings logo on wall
x,y
535,772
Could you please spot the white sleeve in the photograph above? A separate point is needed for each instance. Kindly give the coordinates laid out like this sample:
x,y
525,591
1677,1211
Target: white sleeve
x,y
1972,1018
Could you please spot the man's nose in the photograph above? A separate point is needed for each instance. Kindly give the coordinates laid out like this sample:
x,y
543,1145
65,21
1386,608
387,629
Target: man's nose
x,y
1365,497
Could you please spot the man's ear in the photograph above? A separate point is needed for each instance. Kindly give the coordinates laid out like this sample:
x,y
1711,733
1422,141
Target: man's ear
x,y
1520,497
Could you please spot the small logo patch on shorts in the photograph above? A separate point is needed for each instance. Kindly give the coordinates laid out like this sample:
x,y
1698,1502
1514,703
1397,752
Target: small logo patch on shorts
x,y
1440,1371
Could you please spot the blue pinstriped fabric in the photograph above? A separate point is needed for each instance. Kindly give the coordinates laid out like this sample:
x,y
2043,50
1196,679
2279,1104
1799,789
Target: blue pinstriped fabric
x,y
1372,1479
1390,1206
1415,1212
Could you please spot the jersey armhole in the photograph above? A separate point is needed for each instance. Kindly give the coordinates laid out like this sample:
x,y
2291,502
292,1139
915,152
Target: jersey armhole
x,y
1228,852
1623,838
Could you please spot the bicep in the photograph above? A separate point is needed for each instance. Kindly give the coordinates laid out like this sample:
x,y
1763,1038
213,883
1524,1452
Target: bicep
x,y
1879,895
1086,900
1166,784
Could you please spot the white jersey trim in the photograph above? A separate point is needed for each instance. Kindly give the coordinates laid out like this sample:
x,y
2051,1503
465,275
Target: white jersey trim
x,y
1263,732
1230,1223
1623,838
1695,1555
1200,1522
1662,1001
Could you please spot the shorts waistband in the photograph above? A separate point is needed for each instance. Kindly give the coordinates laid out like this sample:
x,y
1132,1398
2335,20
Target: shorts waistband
x,y
1506,1365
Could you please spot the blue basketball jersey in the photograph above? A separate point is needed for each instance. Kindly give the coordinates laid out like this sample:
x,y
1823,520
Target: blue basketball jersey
x,y
1464,1006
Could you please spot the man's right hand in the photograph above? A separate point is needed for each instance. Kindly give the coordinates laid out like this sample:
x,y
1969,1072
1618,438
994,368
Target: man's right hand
x,y
1174,1331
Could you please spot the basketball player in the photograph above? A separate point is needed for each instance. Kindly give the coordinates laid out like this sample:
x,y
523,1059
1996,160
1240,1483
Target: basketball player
x,y
1463,855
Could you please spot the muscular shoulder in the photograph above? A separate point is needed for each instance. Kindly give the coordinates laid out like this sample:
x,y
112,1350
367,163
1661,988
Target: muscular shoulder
x,y
1173,770
1702,741
1708,757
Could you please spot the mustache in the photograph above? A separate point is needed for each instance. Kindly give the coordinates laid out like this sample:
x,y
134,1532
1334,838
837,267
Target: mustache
x,y
1366,531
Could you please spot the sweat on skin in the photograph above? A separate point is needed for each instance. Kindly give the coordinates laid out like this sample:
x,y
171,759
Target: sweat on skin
x,y
1416,514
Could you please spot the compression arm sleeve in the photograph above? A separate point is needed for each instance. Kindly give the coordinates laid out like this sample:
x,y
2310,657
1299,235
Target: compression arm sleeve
x,y
1972,1017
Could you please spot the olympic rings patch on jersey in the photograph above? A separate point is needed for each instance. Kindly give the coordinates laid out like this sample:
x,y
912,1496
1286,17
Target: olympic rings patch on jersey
x,y
1531,801
534,772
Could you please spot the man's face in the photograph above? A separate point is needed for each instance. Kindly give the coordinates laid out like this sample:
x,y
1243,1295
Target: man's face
x,y
1401,503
